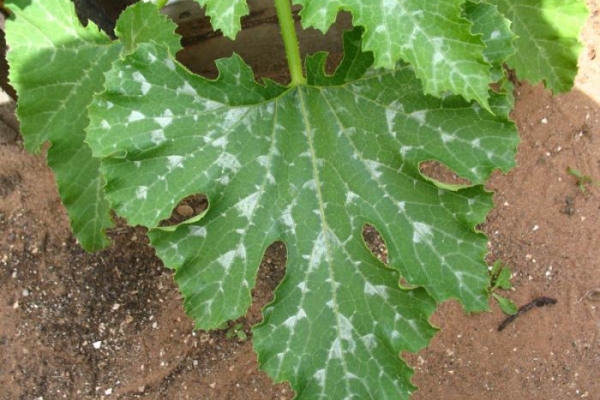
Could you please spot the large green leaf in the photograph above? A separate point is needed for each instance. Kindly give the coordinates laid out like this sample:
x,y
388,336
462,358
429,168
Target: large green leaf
x,y
45,39
309,165
548,39
56,66
431,35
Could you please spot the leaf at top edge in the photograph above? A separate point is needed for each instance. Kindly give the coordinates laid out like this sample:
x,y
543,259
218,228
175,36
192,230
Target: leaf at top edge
x,y
431,35
548,43
143,23
309,166
56,66
225,15
495,32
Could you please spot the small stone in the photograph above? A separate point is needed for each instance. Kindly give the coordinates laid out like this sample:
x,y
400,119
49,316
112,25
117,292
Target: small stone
x,y
97,344
185,211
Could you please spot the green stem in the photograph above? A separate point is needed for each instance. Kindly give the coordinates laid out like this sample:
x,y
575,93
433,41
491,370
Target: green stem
x,y
290,41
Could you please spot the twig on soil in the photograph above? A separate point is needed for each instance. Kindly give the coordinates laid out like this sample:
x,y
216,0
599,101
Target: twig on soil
x,y
538,302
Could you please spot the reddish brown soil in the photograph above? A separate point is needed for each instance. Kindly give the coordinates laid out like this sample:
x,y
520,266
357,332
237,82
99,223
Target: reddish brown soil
x,y
111,325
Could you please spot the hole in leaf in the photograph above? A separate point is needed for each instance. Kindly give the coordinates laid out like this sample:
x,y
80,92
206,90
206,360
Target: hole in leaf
x,y
374,242
270,274
187,210
439,173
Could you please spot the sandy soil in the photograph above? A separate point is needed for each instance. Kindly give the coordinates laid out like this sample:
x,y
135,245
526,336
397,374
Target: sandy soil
x,y
111,325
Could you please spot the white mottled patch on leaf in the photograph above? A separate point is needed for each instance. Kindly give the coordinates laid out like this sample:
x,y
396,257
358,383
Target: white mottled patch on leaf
x,y
373,167
198,231
335,351
135,116
228,161
187,89
318,253
170,64
144,85
141,192
419,116
175,162
247,205
369,340
166,119
291,321
422,232
157,137
226,260
320,376
376,290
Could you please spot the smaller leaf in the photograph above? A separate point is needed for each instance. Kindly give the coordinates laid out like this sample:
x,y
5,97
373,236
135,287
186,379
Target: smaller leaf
x,y
495,32
143,23
547,44
503,279
506,305
225,15
353,66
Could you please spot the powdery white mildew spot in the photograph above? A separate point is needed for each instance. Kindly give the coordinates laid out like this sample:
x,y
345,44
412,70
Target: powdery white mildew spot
x,y
157,137
220,142
263,161
422,232
351,197
247,205
170,64
141,192
419,116
401,205
232,117
345,330
288,220
226,260
197,231
318,252
390,116
165,120
241,252
447,138
320,377
335,351
175,162
373,167
135,116
186,89
144,85
228,161
290,323
369,340
105,124
303,287
376,290
210,105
